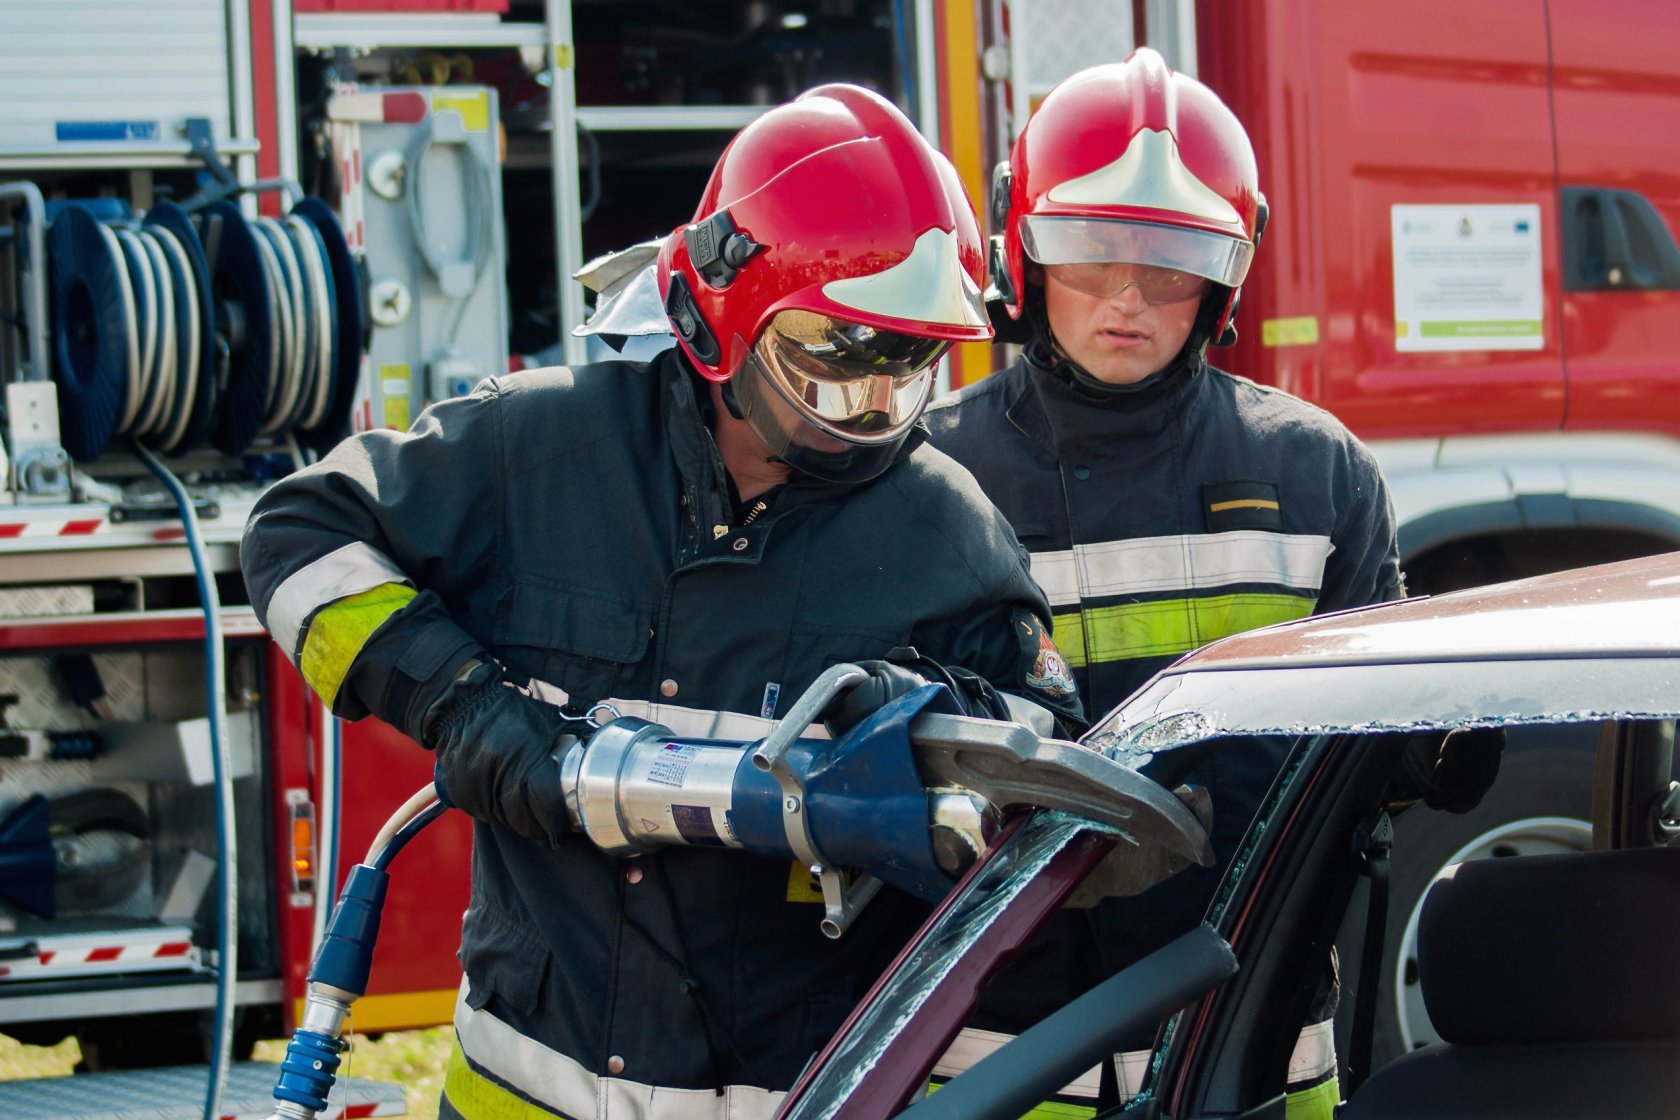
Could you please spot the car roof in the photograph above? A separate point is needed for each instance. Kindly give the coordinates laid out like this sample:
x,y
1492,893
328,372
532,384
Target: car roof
x,y
1578,646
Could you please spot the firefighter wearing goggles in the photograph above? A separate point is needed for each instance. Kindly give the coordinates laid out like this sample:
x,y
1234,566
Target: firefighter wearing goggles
x,y
693,541
1165,503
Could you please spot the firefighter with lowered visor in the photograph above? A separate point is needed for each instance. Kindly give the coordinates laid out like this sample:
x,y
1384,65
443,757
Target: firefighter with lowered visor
x,y
692,540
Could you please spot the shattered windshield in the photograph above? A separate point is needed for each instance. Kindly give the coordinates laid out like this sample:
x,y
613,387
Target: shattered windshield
x,y
1181,709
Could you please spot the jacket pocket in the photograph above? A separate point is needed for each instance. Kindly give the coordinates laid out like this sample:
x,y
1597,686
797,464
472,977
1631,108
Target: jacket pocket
x,y
583,642
506,966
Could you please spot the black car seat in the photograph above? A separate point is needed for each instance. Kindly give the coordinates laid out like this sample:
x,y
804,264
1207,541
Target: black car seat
x,y
1555,983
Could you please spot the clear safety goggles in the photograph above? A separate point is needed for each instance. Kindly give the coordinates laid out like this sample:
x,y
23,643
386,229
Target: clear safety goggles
x,y
1058,241
1107,279
854,382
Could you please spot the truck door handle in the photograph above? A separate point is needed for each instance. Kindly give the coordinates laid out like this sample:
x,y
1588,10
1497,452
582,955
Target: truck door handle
x,y
1614,240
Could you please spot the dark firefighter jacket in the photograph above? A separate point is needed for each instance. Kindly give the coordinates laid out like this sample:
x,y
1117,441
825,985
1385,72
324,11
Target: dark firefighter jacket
x,y
1161,519
1194,506
577,524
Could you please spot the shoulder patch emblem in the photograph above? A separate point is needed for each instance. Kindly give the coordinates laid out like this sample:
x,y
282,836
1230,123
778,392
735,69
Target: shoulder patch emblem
x,y
1048,672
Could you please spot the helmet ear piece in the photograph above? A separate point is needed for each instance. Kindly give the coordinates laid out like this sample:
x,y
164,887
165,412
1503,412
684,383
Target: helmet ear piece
x,y
687,321
997,267
1003,181
1261,216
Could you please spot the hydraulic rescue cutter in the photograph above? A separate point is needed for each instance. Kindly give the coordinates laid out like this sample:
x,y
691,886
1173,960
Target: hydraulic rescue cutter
x,y
913,796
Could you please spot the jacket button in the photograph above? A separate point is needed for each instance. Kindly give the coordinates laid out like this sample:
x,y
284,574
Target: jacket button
x,y
667,688
1081,473
739,544
615,1064
633,874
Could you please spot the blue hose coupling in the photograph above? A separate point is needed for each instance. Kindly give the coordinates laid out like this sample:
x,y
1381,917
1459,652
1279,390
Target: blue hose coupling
x,y
306,1073
346,954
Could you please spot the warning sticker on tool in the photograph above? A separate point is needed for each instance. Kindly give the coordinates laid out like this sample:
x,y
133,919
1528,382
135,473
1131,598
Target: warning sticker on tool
x,y
671,767
1467,278
697,825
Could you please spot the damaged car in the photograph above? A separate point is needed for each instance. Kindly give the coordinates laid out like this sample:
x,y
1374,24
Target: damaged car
x,y
1537,973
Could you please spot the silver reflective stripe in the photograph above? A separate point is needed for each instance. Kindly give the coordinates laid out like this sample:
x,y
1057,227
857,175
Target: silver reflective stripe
x,y
1181,563
1315,1054
1314,1058
350,570
558,1083
692,723
972,1044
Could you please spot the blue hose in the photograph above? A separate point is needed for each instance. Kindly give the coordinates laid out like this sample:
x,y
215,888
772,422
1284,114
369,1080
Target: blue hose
x,y
227,909
339,973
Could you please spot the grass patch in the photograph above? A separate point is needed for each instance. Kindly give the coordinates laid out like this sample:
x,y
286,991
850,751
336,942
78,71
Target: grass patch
x,y
18,1061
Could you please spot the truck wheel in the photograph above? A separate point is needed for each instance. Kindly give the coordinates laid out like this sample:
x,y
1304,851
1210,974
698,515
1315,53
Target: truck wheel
x,y
1541,802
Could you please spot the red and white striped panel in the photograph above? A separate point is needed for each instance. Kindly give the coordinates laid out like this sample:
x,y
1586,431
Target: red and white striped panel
x,y
141,950
54,527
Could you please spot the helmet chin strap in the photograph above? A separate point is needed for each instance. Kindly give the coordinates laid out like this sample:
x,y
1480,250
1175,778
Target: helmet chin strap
x,y
731,401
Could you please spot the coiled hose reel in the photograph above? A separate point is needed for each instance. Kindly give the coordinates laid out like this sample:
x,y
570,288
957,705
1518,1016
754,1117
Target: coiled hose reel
x,y
184,329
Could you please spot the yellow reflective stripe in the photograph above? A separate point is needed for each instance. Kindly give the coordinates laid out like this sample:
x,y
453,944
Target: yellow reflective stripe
x,y
1058,1110
1179,565
1317,1103
476,1097
1168,626
1046,1110
338,632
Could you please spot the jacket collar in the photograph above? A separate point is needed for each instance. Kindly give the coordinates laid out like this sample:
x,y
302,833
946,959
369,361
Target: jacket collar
x,y
1056,411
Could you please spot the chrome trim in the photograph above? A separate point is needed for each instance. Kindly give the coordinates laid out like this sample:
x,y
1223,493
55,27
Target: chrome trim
x,y
1150,173
930,286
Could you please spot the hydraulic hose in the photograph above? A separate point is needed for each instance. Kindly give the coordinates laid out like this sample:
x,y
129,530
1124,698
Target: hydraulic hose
x,y
326,873
227,905
338,974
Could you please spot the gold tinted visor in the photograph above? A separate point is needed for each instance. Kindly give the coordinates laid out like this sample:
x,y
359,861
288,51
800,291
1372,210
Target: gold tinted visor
x,y
858,383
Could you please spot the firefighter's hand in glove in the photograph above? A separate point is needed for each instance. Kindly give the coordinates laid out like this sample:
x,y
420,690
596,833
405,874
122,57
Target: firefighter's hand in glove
x,y
886,682
496,749
1451,773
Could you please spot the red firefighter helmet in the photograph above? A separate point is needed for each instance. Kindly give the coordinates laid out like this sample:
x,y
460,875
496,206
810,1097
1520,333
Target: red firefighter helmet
x,y
833,258
1132,162
834,204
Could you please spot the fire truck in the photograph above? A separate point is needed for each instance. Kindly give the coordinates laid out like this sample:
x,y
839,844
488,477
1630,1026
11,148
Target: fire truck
x,y
1471,260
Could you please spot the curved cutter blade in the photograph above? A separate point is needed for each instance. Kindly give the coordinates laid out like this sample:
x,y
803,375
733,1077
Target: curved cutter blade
x,y
1011,767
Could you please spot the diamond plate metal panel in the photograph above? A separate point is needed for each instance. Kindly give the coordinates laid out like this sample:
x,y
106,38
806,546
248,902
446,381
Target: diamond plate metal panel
x,y
45,602
44,704
1057,37
177,1093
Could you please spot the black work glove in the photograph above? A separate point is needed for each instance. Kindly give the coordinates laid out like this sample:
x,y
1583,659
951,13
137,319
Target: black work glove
x,y
496,754
1455,774
887,681
904,670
